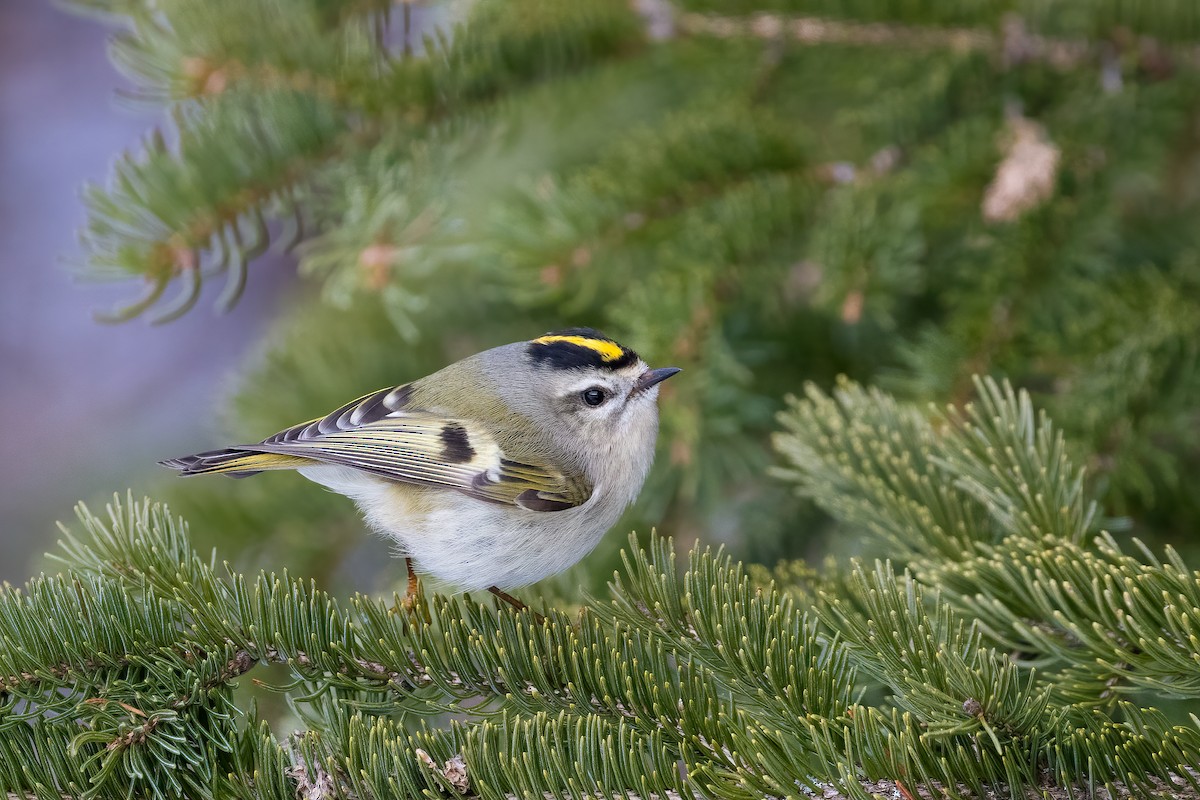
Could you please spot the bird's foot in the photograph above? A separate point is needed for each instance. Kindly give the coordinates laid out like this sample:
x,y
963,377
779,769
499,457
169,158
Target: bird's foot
x,y
412,596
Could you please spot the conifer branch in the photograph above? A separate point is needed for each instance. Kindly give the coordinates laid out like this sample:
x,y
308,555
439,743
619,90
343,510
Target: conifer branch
x,y
201,209
734,681
1012,45
257,124
684,684
708,198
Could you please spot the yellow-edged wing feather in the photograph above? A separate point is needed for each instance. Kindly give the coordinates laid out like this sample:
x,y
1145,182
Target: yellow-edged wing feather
x,y
382,435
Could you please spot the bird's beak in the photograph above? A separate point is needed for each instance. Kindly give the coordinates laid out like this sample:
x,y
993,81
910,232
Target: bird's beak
x,y
652,377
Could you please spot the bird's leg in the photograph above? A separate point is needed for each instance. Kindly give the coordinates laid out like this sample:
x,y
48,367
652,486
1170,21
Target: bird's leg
x,y
412,578
410,594
515,603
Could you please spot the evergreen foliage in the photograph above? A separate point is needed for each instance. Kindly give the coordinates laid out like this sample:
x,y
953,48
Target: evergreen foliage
x,y
1008,666
766,193
712,185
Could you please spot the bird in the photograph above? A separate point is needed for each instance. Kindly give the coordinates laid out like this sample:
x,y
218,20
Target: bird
x,y
496,471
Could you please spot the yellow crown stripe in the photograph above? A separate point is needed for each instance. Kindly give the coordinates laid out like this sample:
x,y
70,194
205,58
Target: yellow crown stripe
x,y
609,351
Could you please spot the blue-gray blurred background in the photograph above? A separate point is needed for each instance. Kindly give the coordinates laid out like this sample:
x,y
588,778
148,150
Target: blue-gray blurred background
x,y
87,408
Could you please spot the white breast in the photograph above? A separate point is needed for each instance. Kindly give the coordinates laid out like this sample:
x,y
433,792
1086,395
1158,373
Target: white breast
x,y
473,544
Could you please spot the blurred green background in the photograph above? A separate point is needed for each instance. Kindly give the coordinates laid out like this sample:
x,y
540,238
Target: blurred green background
x,y
908,193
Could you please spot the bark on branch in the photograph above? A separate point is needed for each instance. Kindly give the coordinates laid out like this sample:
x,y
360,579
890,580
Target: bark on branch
x,y
1013,43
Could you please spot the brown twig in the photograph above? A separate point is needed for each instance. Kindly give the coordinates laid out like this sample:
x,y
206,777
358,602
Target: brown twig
x,y
1012,43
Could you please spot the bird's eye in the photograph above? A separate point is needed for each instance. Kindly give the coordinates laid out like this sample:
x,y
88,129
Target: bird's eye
x,y
594,396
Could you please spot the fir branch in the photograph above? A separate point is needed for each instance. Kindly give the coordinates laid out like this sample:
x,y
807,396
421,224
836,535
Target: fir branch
x,y
272,116
1013,44
871,461
937,667
703,669
189,50
936,485
165,209
1109,622
1106,615
1034,590
695,158
505,46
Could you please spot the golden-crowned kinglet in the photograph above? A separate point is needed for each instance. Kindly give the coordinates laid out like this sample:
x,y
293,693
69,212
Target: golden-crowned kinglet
x,y
494,472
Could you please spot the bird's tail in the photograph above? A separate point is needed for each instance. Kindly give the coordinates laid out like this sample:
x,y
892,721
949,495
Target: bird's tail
x,y
234,462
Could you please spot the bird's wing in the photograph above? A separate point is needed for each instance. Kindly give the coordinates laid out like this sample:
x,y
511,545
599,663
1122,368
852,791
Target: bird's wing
x,y
381,434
